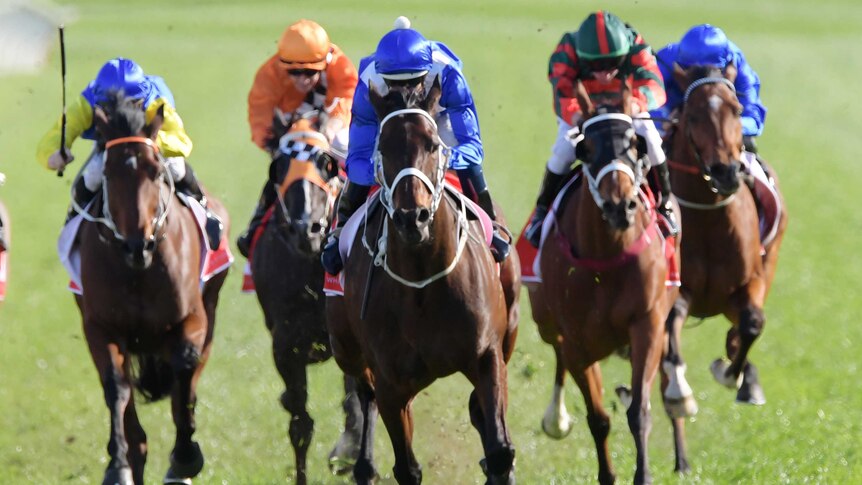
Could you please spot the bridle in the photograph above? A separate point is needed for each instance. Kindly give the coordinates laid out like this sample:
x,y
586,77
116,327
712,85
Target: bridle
x,y
380,256
636,174
164,201
312,176
702,168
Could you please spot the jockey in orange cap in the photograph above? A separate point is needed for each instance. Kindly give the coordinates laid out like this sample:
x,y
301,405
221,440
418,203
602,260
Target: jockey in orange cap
x,y
308,73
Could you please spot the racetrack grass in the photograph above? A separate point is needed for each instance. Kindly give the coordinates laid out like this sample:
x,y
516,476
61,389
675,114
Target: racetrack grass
x,y
53,422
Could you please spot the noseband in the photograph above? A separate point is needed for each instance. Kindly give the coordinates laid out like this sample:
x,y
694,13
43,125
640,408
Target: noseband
x,y
436,189
164,202
615,165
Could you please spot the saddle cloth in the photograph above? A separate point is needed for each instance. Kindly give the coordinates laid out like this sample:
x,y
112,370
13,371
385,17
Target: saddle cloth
x,y
530,257
212,261
333,285
4,272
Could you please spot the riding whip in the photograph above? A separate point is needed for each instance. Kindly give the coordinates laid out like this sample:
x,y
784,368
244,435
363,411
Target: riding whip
x,y
63,122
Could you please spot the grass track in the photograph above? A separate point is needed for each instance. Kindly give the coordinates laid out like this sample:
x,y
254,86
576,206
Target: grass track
x,y
53,424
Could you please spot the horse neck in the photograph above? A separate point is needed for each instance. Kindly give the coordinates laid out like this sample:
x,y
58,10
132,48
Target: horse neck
x,y
424,260
592,236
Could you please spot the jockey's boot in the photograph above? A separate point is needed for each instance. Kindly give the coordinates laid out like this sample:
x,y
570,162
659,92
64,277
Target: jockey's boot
x,y
190,186
267,198
748,144
81,195
550,186
351,198
474,186
660,183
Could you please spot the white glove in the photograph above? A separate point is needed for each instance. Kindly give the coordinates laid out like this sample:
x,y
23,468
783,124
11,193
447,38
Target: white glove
x,y
56,162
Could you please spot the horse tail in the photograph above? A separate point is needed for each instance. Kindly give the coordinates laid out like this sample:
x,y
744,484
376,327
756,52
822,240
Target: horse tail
x,y
155,377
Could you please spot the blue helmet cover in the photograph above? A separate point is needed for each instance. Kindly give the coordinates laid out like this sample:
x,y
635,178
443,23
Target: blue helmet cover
x,y
704,45
120,75
403,51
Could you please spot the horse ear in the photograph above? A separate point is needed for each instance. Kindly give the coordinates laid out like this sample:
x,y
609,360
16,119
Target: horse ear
x,y
429,104
100,118
730,72
378,102
152,129
680,76
584,101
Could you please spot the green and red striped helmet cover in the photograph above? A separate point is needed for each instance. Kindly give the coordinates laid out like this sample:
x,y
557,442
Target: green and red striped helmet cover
x,y
602,35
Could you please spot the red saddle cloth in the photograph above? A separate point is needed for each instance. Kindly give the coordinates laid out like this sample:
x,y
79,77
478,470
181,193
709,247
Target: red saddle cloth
x,y
530,256
4,272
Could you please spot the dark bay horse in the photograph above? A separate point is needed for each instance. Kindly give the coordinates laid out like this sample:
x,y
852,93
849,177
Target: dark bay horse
x,y
434,302
288,279
729,261
604,270
144,309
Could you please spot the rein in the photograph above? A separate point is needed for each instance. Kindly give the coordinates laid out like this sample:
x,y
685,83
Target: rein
x,y
615,166
164,202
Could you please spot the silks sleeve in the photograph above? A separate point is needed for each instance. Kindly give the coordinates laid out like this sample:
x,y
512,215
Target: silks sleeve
x,y
172,138
79,117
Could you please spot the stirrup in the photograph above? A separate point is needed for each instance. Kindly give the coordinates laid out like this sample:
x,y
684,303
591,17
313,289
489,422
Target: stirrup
x,y
500,247
330,257
670,222
533,231
214,228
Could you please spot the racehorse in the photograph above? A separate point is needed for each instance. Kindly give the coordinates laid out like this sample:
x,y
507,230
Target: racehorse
x,y
142,295
604,272
429,301
6,228
729,256
288,279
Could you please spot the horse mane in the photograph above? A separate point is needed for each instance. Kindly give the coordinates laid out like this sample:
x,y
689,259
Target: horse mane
x,y
124,114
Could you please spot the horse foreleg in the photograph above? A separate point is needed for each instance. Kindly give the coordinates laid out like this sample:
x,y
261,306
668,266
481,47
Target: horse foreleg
x,y
646,338
187,359
292,368
137,440
397,413
677,395
556,422
748,320
589,381
343,455
364,471
488,404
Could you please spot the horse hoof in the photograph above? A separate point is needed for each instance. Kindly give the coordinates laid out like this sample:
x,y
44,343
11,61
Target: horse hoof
x,y
171,477
751,394
189,468
343,456
625,395
556,423
341,465
719,369
684,407
118,476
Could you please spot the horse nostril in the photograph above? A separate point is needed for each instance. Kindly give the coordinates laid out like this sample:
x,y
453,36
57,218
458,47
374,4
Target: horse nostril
x,y
631,206
424,216
316,228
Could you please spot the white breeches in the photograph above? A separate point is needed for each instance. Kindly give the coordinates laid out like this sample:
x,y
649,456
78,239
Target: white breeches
x,y
563,150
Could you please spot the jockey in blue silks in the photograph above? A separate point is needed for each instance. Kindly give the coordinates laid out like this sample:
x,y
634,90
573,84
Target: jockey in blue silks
x,y
706,45
406,61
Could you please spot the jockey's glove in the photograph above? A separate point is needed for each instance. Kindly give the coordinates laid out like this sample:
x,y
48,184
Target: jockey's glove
x,y
57,162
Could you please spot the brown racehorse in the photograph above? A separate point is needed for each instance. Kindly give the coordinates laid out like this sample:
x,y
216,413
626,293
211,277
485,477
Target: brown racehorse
x,y
727,267
435,303
142,294
288,279
604,270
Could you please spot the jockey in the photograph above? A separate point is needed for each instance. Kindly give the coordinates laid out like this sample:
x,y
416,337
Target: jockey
x,y
308,73
602,53
406,61
124,75
705,45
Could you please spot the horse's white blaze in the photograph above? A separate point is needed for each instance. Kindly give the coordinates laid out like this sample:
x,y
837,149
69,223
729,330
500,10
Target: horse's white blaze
x,y
715,102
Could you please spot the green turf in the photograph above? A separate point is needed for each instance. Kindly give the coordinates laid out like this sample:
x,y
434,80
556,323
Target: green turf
x,y
53,423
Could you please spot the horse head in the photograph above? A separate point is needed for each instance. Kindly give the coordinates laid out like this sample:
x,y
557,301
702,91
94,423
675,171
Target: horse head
x,y
411,160
135,202
711,123
306,175
609,148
